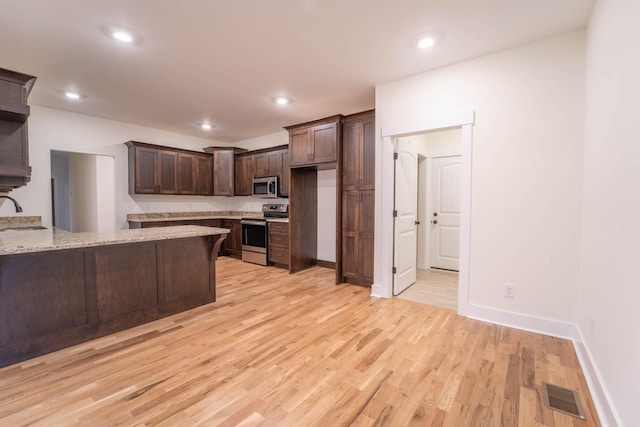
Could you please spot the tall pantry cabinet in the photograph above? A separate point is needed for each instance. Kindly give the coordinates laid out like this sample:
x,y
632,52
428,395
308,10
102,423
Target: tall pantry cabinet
x,y
358,197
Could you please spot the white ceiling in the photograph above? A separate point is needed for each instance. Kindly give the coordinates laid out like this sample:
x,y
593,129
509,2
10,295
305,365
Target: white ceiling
x,y
223,60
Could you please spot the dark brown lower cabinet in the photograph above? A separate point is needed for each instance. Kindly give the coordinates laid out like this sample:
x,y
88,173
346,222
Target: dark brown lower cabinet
x,y
55,299
278,235
357,236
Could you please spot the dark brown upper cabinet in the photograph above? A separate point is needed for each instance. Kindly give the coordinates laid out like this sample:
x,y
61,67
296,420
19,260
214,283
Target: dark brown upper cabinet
x,y
244,175
204,177
14,145
273,161
358,152
223,172
315,143
155,169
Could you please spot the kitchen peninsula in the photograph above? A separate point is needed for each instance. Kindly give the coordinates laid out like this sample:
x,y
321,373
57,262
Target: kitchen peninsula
x,y
58,289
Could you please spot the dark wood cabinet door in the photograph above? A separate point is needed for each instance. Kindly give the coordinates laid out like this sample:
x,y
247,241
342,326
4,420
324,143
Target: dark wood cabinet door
x,y
236,237
146,169
350,232
186,173
223,173
286,173
243,175
368,150
260,166
204,175
324,140
274,163
300,150
168,171
351,156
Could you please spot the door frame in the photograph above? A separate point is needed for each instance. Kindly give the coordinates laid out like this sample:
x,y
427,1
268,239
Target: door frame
x,y
383,275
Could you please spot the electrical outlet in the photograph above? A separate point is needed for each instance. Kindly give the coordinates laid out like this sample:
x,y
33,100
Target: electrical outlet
x,y
509,290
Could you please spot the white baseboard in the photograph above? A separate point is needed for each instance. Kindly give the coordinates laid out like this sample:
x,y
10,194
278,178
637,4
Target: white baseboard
x,y
601,398
379,291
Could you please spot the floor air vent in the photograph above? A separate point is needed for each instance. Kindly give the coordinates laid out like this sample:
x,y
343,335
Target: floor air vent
x,y
562,400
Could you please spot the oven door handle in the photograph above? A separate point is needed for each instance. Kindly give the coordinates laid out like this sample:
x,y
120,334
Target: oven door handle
x,y
249,222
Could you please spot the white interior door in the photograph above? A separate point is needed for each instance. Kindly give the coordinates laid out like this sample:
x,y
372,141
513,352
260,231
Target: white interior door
x,y
445,218
405,227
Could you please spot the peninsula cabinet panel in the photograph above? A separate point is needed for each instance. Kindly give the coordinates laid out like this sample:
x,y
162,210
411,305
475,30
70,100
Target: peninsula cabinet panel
x,y
55,299
132,286
183,269
40,295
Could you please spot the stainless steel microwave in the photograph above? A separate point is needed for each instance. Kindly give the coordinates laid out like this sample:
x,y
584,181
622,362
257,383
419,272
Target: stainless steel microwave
x,y
265,187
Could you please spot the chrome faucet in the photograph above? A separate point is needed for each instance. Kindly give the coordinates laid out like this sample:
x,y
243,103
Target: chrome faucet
x,y
15,202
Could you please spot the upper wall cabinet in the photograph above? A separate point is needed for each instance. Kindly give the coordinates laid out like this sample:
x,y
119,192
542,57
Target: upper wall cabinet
x,y
315,143
224,170
154,169
14,146
272,161
358,152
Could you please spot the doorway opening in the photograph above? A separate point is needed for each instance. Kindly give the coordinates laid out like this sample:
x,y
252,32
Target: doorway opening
x,y
385,199
82,191
427,224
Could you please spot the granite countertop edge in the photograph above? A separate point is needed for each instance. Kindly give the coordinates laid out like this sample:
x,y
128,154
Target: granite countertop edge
x,y
176,216
21,242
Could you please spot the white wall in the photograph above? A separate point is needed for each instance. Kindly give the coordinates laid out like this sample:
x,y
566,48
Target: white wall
x,y
327,215
526,168
51,129
83,192
610,278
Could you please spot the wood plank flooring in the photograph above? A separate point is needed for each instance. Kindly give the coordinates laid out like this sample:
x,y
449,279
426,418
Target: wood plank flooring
x,y
434,287
297,350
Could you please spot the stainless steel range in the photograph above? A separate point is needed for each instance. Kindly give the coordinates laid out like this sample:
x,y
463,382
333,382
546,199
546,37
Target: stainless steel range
x,y
254,233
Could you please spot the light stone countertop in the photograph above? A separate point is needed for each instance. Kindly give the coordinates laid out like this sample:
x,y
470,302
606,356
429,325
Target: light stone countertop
x,y
285,220
51,239
177,216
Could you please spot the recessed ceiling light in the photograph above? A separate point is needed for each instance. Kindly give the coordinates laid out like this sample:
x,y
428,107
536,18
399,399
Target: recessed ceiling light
x,y
426,43
72,95
206,126
122,36
281,100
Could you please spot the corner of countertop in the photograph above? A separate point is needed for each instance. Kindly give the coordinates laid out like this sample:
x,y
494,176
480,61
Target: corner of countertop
x,y
19,221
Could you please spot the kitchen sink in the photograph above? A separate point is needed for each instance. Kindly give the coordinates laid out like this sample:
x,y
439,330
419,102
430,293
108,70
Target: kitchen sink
x,y
24,228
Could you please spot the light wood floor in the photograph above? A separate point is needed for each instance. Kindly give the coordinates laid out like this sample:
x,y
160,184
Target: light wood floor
x,y
434,287
297,350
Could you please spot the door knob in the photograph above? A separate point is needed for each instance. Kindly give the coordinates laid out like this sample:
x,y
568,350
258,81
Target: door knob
x,y
435,214
435,221
416,222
